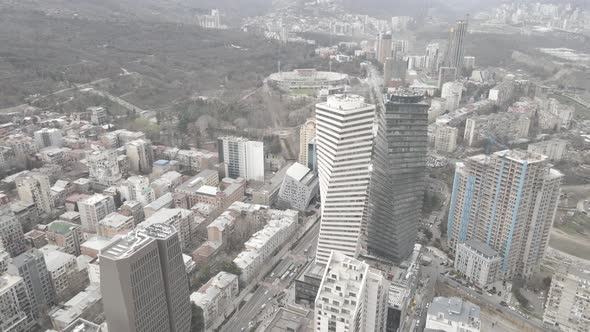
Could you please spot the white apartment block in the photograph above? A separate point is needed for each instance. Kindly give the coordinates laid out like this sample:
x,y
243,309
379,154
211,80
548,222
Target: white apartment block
x,y
98,115
507,200
34,188
216,298
306,134
554,149
452,92
48,137
344,154
103,166
261,246
93,209
567,305
479,263
137,188
242,157
445,138
351,297
453,315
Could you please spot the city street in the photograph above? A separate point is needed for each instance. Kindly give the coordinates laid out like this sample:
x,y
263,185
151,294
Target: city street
x,y
273,288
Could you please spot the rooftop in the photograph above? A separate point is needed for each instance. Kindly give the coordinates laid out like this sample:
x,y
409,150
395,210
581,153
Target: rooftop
x,y
481,248
115,220
61,227
56,259
298,171
97,243
135,240
75,307
161,202
455,309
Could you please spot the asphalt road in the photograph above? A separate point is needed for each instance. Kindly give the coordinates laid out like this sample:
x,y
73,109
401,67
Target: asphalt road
x,y
267,297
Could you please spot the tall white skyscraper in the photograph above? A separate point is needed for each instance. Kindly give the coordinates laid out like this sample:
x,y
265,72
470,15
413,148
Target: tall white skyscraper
x,y
93,209
351,297
508,201
144,282
345,128
243,158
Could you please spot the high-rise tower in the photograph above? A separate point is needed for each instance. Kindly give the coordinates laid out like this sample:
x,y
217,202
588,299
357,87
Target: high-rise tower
x,y
345,125
456,49
144,283
507,200
398,175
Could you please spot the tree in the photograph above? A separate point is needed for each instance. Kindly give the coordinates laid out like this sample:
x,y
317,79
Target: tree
x,y
547,282
230,267
197,319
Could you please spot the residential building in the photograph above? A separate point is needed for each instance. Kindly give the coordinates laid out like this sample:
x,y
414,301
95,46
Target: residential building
x,y
477,262
144,283
167,182
62,270
4,260
452,92
66,235
433,57
103,167
34,187
140,156
217,298
242,157
453,315
86,304
299,186
508,201
93,209
26,213
352,297
567,304
12,238
445,138
115,223
344,128
48,137
15,307
82,325
554,149
137,188
31,267
262,246
98,115
133,209
165,201
191,160
306,134
22,146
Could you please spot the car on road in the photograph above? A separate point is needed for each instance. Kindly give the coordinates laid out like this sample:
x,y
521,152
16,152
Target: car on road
x,y
263,306
266,292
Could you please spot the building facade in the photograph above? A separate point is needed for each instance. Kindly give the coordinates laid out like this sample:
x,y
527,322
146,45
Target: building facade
x,y
344,151
508,201
351,297
243,158
479,263
93,209
567,304
306,134
144,283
